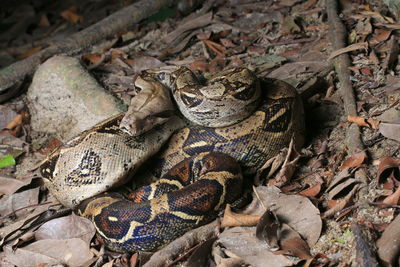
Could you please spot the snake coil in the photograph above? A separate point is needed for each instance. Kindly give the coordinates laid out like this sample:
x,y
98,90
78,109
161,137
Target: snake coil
x,y
238,122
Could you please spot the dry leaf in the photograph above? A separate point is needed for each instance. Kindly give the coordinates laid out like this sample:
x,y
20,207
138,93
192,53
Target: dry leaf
x,y
71,15
349,48
72,252
10,185
44,21
92,58
6,115
298,211
356,160
17,201
388,167
389,243
393,199
312,191
145,62
360,121
71,226
235,219
292,244
288,167
390,130
268,229
380,35
30,52
255,252
200,65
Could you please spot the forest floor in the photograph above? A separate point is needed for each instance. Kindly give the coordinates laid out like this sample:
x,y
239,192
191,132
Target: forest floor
x,y
339,197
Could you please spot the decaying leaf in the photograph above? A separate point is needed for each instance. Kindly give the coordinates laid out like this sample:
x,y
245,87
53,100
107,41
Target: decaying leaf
x,y
268,229
390,130
71,226
11,204
297,211
349,48
389,243
255,252
388,168
311,191
72,252
201,254
10,185
356,160
393,199
231,219
288,167
145,62
71,15
365,122
292,244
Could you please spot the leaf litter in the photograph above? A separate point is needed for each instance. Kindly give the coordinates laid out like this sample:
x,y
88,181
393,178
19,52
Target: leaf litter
x,y
285,39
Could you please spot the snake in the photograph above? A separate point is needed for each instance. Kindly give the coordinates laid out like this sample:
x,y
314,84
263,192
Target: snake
x,y
227,127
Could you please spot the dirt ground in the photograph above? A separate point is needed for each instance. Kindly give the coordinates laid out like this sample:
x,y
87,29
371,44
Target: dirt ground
x,y
347,77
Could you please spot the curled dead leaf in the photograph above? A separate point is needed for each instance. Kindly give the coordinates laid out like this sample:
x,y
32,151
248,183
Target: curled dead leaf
x,y
292,244
356,160
388,167
71,15
234,219
361,121
268,229
311,191
393,199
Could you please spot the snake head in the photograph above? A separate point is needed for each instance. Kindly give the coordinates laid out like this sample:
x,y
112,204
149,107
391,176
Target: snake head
x,y
151,106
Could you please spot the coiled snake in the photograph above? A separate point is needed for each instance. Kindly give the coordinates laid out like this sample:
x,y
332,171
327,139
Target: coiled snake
x,y
237,123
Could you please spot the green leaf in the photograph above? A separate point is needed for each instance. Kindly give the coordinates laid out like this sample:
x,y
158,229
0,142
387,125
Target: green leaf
x,y
6,160
162,14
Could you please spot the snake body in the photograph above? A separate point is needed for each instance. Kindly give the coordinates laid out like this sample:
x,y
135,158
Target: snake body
x,y
200,169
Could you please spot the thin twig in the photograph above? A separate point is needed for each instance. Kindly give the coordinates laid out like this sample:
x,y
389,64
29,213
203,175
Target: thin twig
x,y
342,63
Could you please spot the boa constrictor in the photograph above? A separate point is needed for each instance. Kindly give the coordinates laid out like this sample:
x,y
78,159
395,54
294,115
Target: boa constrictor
x,y
237,122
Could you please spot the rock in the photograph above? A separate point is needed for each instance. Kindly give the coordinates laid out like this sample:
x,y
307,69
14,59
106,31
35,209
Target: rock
x,y
64,100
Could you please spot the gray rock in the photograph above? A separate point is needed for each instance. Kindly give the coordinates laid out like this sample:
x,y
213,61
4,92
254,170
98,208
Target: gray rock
x,y
64,99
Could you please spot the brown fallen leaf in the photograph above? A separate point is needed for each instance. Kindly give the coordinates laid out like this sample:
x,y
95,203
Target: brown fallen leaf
x,y
288,167
72,252
380,35
393,199
356,160
390,130
389,166
231,219
10,185
44,21
268,229
360,121
67,227
389,243
292,244
71,15
93,58
200,65
349,48
30,52
311,191
340,203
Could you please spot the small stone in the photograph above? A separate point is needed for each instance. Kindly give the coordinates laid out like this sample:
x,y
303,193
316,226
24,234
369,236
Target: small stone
x,y
64,100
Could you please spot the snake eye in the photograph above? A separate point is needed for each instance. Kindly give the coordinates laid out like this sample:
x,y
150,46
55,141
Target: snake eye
x,y
161,76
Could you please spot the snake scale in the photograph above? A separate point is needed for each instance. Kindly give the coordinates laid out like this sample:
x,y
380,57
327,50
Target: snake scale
x,y
229,128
